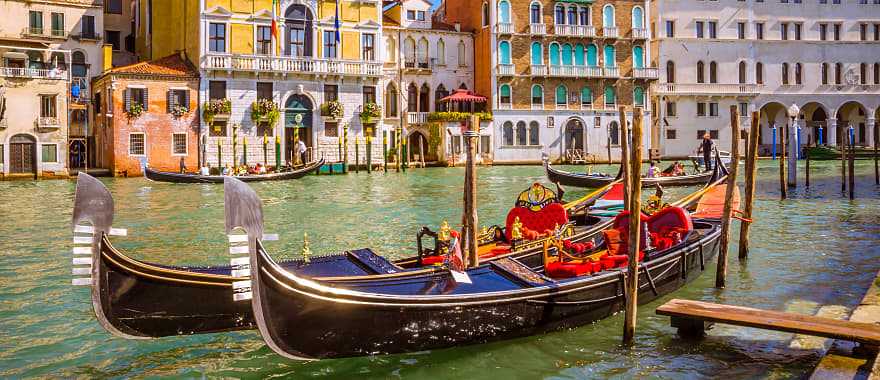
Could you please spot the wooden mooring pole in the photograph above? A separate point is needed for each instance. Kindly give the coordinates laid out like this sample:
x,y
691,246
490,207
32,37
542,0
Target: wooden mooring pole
x,y
470,221
624,153
751,170
634,206
852,166
783,186
721,273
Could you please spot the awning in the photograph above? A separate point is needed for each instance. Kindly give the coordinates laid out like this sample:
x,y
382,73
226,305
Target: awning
x,y
15,55
464,96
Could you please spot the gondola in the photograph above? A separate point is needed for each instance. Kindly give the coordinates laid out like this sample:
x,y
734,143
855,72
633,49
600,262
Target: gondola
x,y
305,318
296,173
598,180
139,300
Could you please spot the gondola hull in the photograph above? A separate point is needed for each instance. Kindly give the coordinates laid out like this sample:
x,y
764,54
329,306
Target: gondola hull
x,y
595,181
196,178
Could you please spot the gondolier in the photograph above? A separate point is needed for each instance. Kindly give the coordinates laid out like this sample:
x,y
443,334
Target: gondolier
x,y
706,146
301,151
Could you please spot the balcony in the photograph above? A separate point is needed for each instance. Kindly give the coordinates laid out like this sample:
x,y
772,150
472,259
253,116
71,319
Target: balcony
x,y
291,65
414,118
716,89
575,71
504,28
47,122
506,69
611,72
574,30
33,32
538,70
24,72
640,33
645,73
537,29
87,36
609,32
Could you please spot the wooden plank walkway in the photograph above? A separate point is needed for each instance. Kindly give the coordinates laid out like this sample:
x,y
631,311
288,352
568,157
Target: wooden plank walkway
x,y
691,316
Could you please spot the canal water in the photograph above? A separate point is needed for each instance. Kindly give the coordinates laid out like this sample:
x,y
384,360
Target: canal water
x,y
810,252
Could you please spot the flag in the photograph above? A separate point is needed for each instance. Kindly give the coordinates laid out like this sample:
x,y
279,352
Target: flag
x,y
336,22
455,259
275,27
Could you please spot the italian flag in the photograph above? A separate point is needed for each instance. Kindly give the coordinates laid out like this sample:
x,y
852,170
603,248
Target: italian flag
x,y
275,27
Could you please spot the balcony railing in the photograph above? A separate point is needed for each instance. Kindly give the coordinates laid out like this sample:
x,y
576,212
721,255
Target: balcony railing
x,y
575,30
25,72
611,72
645,72
609,32
252,63
575,71
31,31
539,70
706,89
538,29
504,28
640,33
47,122
416,117
506,69
87,36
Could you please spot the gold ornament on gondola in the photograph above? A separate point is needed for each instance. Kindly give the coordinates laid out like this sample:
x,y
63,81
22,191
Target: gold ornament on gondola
x,y
306,251
444,234
516,232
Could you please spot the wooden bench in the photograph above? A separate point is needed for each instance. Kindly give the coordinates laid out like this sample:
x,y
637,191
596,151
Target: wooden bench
x,y
692,317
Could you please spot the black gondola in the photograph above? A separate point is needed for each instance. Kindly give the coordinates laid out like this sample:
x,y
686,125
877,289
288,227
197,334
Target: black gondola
x,y
198,178
137,300
307,318
598,180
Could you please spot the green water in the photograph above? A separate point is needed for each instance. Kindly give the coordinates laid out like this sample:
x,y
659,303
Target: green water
x,y
814,249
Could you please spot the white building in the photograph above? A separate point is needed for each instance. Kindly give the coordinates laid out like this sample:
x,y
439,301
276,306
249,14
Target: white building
x,y
821,55
425,61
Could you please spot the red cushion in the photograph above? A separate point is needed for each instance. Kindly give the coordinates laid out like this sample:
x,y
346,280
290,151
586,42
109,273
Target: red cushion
x,y
431,260
539,221
671,219
498,250
561,270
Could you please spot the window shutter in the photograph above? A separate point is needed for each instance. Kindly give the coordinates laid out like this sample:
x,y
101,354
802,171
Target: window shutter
x,y
186,99
169,101
126,99
146,101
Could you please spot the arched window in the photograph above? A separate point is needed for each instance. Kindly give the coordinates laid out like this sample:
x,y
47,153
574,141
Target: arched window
x,y
614,133
638,96
561,94
670,72
537,95
638,57
534,133
391,49
425,98
412,98
441,52
798,78
409,52
535,13
701,72
592,55
504,12
610,96
462,54
609,56
391,100
838,73
559,18
863,73
567,55
504,52
298,23
554,54
439,94
504,94
824,73
638,18
537,53
485,14
79,67
742,72
507,133
713,72
759,73
423,52
579,54
877,73
521,134
785,73
572,15
608,16
584,13
586,97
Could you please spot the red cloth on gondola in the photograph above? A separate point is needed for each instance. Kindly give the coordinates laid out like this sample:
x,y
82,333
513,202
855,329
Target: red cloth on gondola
x,y
536,223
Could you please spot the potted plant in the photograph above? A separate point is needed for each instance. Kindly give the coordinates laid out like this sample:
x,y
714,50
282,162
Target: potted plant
x,y
215,107
178,111
333,110
134,110
371,112
265,110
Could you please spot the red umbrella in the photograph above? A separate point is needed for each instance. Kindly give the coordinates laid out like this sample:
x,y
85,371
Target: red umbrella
x,y
464,96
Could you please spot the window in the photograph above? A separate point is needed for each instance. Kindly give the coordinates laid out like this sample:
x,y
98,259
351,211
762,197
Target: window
x,y
264,90
824,73
713,29
572,15
369,46
177,97
823,32
537,53
178,144
614,133
331,129
670,134
797,31
420,15
264,39
534,133
783,31
671,109
390,100
638,96
87,27
741,30
837,32
743,109
50,153
35,22
48,107
561,96
670,28
113,6
785,73
863,73
216,89
485,14
331,92
504,52
97,104
441,52
701,109
521,133
217,37
670,72
798,78
713,109
462,57
411,15
610,96
330,44
586,97
136,144
535,13
136,95
537,95
701,71
485,144
369,94
559,15
699,26
877,73
759,30
863,32
504,94
58,24
713,72
838,73
609,56
608,16
507,133
112,38
585,18
742,72
876,32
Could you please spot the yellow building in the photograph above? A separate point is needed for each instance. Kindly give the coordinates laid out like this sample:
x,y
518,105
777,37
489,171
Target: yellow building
x,y
232,43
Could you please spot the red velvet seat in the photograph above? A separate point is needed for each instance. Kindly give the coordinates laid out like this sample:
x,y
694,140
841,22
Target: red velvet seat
x,y
558,269
431,260
536,223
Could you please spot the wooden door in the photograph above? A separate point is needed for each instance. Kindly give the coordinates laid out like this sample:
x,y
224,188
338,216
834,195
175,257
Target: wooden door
x,y
21,158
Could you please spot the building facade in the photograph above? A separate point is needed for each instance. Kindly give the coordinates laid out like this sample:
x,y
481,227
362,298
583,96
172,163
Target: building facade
x,y
147,113
120,31
766,56
556,73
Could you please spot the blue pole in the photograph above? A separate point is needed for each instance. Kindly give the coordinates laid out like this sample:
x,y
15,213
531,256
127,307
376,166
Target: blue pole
x,y
819,138
773,144
852,136
799,143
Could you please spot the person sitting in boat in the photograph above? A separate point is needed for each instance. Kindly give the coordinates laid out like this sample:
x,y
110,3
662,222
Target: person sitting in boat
x,y
226,170
652,170
259,169
678,169
204,170
182,166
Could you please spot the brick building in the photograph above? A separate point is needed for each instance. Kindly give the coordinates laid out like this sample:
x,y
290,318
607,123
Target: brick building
x,y
557,72
147,112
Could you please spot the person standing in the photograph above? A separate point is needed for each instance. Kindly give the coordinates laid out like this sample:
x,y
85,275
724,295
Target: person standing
x,y
706,146
301,151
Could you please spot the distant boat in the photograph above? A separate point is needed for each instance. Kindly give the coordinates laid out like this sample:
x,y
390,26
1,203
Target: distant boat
x,y
296,173
595,180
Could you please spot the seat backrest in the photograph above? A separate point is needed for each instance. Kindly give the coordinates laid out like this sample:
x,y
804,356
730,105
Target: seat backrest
x,y
670,218
621,223
546,219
